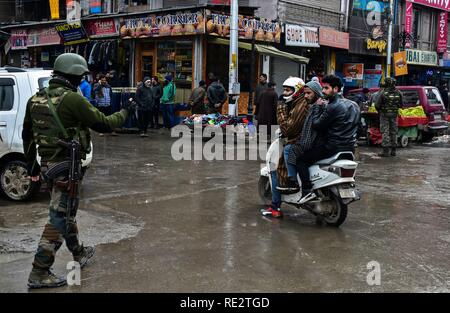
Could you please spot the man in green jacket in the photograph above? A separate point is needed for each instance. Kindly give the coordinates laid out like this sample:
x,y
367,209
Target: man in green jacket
x,y
57,113
168,102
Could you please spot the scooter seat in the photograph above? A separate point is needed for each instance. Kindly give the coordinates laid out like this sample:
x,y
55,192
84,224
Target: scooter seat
x,y
345,155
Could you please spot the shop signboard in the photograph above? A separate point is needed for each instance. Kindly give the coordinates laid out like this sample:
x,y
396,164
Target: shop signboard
x,y
18,39
301,36
419,57
73,33
54,9
400,64
102,28
408,20
332,38
442,32
95,6
218,24
372,78
437,4
43,37
168,24
353,71
73,10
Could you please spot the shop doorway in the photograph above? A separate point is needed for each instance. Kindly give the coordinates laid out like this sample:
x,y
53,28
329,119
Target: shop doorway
x,y
146,66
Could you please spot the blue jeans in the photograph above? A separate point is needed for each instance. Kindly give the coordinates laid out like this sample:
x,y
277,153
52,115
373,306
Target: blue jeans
x,y
292,169
276,195
168,114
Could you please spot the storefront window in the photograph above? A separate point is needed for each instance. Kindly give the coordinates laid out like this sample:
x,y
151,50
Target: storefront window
x,y
175,58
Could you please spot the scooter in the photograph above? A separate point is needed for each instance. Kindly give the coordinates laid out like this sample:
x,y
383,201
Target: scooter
x,y
333,189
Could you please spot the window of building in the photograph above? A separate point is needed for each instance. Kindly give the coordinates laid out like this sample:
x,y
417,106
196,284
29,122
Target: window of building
x,y
175,58
416,23
6,94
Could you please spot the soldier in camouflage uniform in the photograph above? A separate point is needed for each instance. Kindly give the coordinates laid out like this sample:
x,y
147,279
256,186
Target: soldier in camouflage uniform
x,y
387,104
55,113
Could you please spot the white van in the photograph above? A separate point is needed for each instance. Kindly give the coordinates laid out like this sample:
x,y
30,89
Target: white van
x,y
16,87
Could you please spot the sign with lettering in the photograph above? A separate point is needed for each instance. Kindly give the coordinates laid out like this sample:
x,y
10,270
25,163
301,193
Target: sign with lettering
x,y
102,28
18,39
442,32
419,57
332,38
379,45
43,37
400,64
72,33
437,4
408,20
353,71
218,24
171,24
301,36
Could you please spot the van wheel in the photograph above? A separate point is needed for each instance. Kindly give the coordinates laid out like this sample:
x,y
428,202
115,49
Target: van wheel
x,y
265,190
338,213
14,181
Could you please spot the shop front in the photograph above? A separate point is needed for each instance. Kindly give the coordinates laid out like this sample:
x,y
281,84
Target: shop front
x,y
423,68
44,46
333,41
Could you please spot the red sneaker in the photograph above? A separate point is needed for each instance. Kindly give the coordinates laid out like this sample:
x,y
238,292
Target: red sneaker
x,y
271,212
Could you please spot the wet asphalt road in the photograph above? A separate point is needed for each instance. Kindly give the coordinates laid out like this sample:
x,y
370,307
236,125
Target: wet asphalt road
x,y
194,226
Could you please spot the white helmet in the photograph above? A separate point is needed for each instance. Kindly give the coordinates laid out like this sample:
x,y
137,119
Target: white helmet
x,y
297,84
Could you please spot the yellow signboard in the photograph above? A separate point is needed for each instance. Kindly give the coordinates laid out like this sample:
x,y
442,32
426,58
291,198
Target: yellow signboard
x,y
400,64
54,9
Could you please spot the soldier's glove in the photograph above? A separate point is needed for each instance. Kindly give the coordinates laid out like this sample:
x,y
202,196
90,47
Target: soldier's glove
x,y
129,105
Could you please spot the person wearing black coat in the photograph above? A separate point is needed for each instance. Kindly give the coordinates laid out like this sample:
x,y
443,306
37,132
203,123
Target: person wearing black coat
x,y
144,99
157,94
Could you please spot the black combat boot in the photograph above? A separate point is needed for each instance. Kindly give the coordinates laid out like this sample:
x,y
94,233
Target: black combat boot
x,y
393,151
85,254
385,152
40,278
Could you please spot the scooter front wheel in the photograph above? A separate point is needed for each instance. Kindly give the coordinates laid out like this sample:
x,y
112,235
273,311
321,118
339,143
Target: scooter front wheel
x,y
265,190
338,213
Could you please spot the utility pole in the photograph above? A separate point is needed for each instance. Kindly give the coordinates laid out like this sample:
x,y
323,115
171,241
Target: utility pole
x,y
389,44
233,85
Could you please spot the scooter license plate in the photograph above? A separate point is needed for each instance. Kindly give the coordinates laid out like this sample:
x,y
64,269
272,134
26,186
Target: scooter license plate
x,y
347,193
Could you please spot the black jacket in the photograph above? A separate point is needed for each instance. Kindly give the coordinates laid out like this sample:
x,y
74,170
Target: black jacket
x,y
216,94
144,98
339,123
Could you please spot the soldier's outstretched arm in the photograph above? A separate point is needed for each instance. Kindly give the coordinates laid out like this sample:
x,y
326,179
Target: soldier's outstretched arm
x,y
91,117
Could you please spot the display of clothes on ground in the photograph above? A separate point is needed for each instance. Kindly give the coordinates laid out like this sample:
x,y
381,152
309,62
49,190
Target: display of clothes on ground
x,y
216,120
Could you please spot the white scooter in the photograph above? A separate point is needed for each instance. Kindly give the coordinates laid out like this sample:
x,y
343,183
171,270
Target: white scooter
x,y
333,189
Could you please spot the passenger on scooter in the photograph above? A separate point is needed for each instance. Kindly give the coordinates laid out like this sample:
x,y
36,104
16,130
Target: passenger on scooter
x,y
291,114
339,123
309,138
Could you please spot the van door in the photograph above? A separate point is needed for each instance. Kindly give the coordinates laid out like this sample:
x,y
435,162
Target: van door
x,y
9,99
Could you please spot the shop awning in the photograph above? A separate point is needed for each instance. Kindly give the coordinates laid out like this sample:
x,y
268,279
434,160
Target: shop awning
x,y
268,50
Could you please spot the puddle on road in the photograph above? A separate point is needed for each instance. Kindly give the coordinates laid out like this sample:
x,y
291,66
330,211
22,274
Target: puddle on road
x,y
95,228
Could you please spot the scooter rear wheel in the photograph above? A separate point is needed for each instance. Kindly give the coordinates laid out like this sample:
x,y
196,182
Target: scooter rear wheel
x,y
339,212
265,190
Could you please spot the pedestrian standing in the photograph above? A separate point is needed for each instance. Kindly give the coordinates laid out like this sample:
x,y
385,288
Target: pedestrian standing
x,y
144,100
262,86
197,99
168,102
157,94
266,111
216,96
85,89
388,103
103,97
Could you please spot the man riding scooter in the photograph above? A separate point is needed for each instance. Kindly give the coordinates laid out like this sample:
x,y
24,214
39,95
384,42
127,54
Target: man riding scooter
x,y
291,114
339,124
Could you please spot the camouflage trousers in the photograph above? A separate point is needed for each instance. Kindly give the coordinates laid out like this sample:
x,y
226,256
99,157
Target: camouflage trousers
x,y
389,129
55,231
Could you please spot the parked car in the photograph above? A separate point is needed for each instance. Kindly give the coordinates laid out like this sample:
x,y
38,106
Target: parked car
x,y
426,96
16,87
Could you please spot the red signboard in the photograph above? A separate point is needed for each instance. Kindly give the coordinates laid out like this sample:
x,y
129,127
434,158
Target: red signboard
x,y
437,4
43,37
408,20
333,38
442,32
102,28
18,39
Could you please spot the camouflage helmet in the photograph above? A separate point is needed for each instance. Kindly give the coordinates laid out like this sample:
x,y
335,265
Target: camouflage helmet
x,y
390,82
71,64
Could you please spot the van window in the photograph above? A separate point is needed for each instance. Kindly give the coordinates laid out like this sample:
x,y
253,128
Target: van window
x,y
6,94
410,98
43,82
434,97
